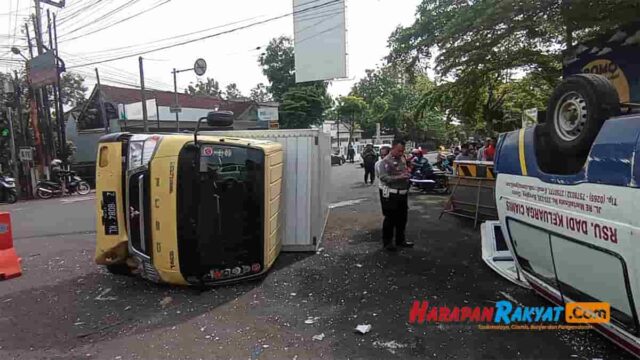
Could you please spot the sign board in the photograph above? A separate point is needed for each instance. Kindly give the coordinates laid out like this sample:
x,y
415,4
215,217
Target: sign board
x,y
268,114
320,41
613,55
529,118
134,111
200,67
175,109
25,154
43,70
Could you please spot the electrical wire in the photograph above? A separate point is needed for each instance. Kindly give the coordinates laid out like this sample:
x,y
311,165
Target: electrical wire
x,y
66,17
210,35
118,22
101,19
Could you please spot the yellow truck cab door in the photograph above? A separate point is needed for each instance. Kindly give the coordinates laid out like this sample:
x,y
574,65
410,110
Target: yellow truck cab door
x,y
111,235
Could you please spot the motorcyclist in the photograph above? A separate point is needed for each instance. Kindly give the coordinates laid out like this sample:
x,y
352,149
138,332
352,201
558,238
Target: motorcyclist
x,y
56,171
443,163
420,163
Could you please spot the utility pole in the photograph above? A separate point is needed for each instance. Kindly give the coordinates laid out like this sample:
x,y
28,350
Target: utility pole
x,y
60,104
43,95
144,97
56,91
103,113
175,93
33,113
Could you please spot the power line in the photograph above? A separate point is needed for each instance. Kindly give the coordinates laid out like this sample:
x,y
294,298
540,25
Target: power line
x,y
118,22
64,18
102,18
211,35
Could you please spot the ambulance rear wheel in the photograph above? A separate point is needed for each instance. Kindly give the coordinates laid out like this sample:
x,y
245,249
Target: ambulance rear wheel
x,y
577,109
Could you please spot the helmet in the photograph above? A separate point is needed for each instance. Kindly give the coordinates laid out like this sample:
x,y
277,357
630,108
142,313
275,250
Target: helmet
x,y
416,152
56,162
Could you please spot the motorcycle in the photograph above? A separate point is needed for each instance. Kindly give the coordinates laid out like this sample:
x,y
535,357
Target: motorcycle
x,y
46,189
8,191
430,181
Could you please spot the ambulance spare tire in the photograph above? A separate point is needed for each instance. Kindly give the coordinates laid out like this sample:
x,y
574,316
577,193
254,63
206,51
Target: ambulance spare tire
x,y
577,109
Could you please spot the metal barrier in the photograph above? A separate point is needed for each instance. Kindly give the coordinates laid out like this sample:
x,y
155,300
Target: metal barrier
x,y
473,194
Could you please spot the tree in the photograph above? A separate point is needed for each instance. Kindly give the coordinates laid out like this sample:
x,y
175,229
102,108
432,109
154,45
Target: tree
x,y
352,113
232,92
477,47
278,65
73,89
210,87
260,93
301,104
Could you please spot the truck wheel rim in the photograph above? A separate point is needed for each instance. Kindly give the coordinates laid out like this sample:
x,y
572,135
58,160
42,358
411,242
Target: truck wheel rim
x,y
570,116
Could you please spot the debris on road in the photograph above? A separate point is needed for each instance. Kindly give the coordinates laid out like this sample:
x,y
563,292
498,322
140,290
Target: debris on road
x,y
390,346
319,337
311,320
108,298
359,265
166,301
363,329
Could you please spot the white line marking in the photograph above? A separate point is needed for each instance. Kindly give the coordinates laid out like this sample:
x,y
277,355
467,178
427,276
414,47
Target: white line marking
x,y
346,203
69,201
510,298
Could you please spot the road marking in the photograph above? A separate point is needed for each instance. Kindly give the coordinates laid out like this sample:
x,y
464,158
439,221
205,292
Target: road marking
x,y
346,203
510,298
69,201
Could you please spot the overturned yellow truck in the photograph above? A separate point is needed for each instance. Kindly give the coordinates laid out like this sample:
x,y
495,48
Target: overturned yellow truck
x,y
185,209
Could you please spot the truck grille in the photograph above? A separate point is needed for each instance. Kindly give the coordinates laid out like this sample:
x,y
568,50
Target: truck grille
x,y
138,214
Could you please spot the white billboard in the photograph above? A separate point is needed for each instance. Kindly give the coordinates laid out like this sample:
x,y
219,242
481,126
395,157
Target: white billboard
x,y
320,39
134,111
268,113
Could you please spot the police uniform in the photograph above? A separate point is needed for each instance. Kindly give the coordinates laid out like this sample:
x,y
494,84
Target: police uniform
x,y
394,188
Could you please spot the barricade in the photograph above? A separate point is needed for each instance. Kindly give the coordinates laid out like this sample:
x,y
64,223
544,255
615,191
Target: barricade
x,y
9,260
473,193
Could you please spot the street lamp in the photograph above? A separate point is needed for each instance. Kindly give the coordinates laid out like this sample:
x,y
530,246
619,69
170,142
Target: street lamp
x,y
16,51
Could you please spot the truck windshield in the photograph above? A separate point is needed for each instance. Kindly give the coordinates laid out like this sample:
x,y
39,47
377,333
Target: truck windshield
x,y
220,205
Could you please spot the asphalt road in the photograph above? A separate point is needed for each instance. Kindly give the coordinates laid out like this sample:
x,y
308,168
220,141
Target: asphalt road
x,y
65,307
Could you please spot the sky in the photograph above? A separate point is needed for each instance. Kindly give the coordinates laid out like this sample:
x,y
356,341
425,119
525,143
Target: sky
x,y
231,58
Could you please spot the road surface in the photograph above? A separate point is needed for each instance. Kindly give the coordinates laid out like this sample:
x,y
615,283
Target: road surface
x,y
65,307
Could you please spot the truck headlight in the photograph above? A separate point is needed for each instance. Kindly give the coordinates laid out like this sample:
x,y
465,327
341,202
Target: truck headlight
x,y
141,149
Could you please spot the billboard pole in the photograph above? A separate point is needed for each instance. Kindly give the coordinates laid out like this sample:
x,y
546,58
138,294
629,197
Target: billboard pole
x,y
144,97
175,92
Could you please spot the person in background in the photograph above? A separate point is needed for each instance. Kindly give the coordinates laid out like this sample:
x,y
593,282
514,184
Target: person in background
x,y
464,153
369,158
490,151
351,153
384,151
473,153
394,187
480,155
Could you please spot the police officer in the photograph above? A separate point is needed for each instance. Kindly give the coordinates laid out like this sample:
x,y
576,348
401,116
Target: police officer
x,y
394,187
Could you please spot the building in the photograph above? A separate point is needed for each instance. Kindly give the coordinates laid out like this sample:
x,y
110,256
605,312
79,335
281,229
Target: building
x,y
123,110
331,127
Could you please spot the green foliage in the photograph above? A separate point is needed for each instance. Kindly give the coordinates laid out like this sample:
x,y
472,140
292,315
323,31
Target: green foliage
x,y
232,92
301,104
278,65
209,87
478,47
260,93
73,89
352,112
393,100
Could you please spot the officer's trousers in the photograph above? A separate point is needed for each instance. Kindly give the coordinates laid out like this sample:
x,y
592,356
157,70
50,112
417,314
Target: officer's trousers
x,y
394,209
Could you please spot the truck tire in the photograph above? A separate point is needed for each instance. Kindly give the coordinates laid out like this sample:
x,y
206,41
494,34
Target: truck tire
x,y
577,109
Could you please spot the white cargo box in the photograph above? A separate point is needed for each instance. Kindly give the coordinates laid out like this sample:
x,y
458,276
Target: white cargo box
x,y
307,174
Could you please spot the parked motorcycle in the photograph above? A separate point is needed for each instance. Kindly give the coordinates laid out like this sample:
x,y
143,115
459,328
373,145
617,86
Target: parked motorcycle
x,y
8,191
430,181
47,189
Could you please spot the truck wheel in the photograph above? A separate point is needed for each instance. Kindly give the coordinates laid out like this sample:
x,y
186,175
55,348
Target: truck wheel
x,y
577,109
